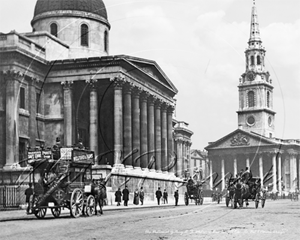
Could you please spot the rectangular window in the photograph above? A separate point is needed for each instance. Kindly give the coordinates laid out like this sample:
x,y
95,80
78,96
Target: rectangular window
x,y
22,98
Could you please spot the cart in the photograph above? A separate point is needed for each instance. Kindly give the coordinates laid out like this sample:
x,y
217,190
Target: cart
x,y
194,191
62,183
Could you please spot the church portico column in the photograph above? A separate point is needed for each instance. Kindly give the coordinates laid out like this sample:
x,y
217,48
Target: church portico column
x,y
158,135
261,170
127,124
210,174
68,127
144,131
279,173
164,138
274,172
151,132
136,127
223,173
93,116
293,169
118,120
170,148
235,166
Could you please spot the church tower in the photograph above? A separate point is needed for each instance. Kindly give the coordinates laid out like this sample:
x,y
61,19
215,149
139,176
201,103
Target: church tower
x,y
255,88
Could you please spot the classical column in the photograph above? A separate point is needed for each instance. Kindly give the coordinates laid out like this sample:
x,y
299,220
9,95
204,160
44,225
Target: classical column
x,y
93,116
164,138
151,131
11,118
184,165
279,173
136,127
293,169
171,159
248,162
190,164
118,120
67,88
179,157
274,172
158,135
32,113
210,174
234,167
299,172
223,173
261,169
144,131
127,125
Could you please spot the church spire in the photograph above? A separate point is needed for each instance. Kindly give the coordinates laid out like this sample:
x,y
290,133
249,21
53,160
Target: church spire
x,y
254,27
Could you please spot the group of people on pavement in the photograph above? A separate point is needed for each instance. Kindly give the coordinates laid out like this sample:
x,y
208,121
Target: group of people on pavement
x,y
138,196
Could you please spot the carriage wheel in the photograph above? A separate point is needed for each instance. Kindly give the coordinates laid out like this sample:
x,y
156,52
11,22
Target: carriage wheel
x,y
90,206
76,203
263,203
40,212
186,199
227,201
56,212
256,204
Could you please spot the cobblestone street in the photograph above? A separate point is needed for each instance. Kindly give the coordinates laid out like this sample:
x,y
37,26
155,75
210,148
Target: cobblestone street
x,y
278,220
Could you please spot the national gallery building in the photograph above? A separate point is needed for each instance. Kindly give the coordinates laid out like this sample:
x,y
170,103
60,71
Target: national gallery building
x,y
59,83
253,144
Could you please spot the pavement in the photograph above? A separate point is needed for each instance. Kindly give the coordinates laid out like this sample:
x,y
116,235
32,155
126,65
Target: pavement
x,y
20,214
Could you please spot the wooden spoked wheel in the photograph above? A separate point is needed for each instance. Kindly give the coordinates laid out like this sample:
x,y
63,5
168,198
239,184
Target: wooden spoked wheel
x,y
56,212
90,206
40,212
76,203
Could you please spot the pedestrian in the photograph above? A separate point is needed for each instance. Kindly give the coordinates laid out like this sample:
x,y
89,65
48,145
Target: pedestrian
x,y
141,194
165,196
176,196
118,196
125,193
28,194
136,197
158,195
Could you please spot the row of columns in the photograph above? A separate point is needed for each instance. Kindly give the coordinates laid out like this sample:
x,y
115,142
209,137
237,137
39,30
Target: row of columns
x,y
184,165
277,173
147,124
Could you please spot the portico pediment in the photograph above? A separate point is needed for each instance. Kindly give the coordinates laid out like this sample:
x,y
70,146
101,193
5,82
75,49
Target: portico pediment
x,y
240,138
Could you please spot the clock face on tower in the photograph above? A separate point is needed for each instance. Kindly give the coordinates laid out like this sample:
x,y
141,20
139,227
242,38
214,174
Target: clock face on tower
x,y
250,76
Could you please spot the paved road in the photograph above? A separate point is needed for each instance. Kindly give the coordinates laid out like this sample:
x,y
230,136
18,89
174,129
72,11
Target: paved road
x,y
278,220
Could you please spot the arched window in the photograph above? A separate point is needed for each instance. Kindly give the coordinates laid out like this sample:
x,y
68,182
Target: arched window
x,y
105,41
53,29
251,99
84,35
268,99
252,60
258,60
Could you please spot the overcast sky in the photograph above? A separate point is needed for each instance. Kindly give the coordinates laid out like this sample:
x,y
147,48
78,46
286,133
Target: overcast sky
x,y
200,46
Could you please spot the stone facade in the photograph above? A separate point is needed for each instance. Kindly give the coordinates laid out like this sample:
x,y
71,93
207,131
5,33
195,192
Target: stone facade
x,y
57,85
253,145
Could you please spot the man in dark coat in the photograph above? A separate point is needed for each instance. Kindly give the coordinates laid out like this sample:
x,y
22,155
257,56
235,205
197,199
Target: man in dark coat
x,y
165,196
125,193
176,196
158,195
118,196
28,193
141,194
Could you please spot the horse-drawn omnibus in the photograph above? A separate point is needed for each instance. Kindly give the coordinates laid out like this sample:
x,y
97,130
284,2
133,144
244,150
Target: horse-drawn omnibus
x,y
62,181
194,191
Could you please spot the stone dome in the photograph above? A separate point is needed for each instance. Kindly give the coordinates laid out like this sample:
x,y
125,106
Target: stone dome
x,y
96,7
